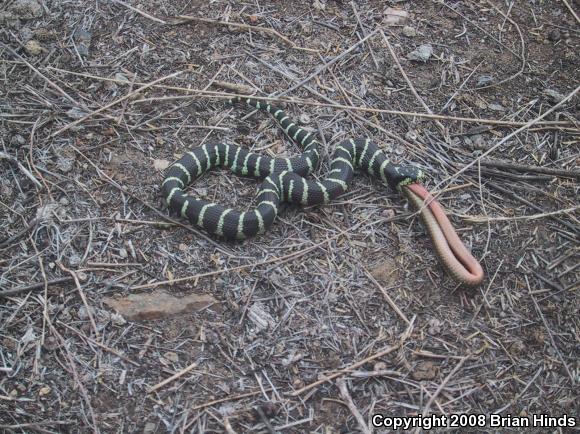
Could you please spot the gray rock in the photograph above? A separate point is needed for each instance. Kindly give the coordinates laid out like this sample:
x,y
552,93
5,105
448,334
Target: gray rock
x,y
555,96
121,77
33,47
409,31
496,107
26,34
484,80
17,140
304,119
554,35
411,135
422,53
65,164
83,312
76,113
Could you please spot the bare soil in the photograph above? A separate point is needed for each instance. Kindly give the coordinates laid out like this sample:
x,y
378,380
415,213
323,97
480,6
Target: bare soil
x,y
301,337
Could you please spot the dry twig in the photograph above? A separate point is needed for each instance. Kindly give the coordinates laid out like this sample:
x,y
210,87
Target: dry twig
x,y
187,18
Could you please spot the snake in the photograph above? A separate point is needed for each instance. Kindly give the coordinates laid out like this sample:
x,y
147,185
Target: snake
x,y
285,180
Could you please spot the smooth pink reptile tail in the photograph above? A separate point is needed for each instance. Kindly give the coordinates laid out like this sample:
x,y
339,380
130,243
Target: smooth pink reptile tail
x,y
450,249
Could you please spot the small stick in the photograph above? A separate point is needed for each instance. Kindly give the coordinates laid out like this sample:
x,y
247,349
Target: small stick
x,y
531,205
517,398
173,377
83,296
483,219
235,87
423,353
526,168
460,87
76,376
228,426
140,12
113,264
29,175
39,285
228,398
163,224
14,237
364,32
186,18
350,404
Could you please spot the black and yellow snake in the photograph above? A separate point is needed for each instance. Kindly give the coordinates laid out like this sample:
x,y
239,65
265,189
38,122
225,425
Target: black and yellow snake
x,y
284,180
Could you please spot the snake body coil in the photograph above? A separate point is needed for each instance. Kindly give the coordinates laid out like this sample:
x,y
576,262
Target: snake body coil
x,y
284,180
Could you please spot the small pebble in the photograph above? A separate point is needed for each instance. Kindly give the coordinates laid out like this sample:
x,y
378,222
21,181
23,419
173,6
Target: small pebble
x,y
121,77
17,140
319,5
26,34
422,53
171,356
554,35
409,31
76,113
411,136
555,96
484,80
33,47
83,313
496,107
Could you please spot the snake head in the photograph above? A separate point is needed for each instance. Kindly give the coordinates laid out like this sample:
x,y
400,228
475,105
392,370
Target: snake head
x,y
399,176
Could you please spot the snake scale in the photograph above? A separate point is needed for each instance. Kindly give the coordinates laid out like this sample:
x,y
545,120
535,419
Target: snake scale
x,y
284,180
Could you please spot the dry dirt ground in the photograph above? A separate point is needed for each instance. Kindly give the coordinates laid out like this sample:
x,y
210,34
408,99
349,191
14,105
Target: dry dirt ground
x,y
337,313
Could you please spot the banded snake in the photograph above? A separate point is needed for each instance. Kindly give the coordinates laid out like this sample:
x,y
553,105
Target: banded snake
x,y
284,180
